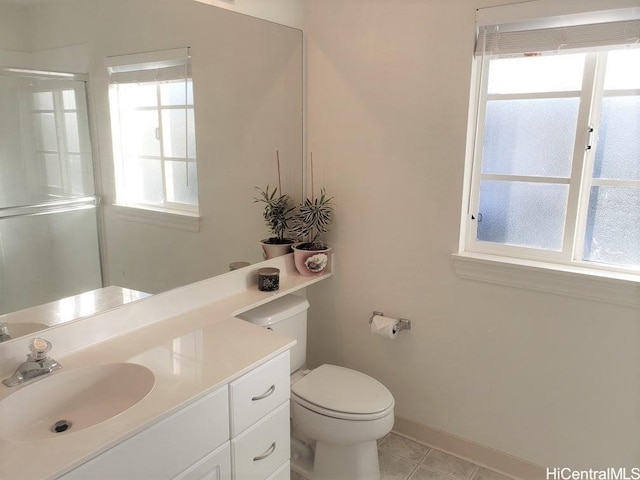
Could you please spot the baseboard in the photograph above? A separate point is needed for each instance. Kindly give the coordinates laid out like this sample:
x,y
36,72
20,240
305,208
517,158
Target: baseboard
x,y
474,452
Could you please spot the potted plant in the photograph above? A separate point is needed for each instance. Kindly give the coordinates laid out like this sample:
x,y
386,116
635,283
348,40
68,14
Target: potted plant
x,y
313,217
276,214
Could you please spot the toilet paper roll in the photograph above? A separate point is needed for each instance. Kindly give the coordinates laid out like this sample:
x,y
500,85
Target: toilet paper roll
x,y
385,326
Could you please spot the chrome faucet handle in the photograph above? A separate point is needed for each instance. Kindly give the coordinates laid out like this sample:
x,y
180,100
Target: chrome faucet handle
x,y
4,331
37,364
39,348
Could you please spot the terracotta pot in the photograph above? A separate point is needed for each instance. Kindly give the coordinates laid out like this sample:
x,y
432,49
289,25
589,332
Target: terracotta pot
x,y
273,250
311,262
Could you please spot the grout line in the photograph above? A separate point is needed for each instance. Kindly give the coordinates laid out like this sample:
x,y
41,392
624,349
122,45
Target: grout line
x,y
474,471
412,472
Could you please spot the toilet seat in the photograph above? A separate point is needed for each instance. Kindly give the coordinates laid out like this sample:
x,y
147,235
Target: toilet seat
x,y
343,393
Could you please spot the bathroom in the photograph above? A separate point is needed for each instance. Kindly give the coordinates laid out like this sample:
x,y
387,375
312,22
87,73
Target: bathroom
x,y
549,378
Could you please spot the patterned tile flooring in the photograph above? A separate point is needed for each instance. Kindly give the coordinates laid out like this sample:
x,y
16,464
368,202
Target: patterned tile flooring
x,y
404,459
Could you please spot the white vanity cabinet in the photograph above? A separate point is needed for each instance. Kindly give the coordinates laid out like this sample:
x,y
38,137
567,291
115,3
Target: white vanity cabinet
x,y
168,448
239,432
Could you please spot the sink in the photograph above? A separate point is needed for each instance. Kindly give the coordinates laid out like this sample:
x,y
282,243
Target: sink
x,y
68,401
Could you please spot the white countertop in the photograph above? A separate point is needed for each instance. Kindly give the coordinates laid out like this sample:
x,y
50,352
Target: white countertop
x,y
190,354
74,307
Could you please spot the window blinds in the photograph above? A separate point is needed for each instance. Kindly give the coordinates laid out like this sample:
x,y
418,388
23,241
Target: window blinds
x,y
158,66
494,42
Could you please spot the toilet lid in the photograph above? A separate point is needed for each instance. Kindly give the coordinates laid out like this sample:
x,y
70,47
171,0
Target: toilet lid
x,y
343,390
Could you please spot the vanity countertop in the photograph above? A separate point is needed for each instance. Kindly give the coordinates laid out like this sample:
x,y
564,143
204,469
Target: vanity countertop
x,y
70,308
190,354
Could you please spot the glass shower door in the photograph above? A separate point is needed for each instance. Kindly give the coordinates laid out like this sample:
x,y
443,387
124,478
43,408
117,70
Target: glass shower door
x,y
49,244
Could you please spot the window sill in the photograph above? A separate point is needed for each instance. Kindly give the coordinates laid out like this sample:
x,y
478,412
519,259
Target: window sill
x,y
187,221
572,281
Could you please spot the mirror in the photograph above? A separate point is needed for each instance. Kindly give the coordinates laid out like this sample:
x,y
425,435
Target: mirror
x,y
247,77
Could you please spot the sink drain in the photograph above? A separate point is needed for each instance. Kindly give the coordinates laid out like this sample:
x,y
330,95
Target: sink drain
x,y
61,426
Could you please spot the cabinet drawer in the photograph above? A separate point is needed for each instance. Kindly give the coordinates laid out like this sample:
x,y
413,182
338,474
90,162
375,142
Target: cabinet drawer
x,y
215,466
167,448
258,392
262,449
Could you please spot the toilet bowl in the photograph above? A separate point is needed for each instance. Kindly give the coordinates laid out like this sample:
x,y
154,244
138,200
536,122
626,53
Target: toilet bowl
x,y
337,413
344,412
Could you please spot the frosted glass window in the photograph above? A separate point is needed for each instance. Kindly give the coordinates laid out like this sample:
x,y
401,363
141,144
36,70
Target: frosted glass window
x,y
133,95
139,133
144,181
613,226
43,100
69,99
542,186
59,132
76,175
52,170
157,146
48,136
530,137
623,69
176,93
178,133
182,182
554,73
71,130
618,147
522,214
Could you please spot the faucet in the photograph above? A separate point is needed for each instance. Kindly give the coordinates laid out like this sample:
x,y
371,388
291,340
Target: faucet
x,y
37,364
4,332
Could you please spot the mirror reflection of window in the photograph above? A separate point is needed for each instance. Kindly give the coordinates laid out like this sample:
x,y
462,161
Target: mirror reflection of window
x,y
59,124
152,117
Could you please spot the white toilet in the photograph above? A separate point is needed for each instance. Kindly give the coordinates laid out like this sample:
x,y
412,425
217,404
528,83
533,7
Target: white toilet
x,y
337,413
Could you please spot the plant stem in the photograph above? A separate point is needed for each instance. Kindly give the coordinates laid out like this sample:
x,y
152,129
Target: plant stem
x,y
311,155
278,162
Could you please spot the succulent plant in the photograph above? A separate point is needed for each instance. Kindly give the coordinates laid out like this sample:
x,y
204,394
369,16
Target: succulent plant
x,y
276,214
312,219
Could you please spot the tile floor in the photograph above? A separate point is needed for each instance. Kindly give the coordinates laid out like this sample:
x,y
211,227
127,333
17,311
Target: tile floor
x,y
404,459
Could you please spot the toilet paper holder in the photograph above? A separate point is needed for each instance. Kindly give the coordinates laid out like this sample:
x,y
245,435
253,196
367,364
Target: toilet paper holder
x,y
403,323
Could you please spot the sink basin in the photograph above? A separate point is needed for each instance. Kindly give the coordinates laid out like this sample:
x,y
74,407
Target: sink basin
x,y
72,400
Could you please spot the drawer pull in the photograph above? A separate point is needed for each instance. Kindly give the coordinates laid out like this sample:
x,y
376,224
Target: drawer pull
x,y
265,394
269,451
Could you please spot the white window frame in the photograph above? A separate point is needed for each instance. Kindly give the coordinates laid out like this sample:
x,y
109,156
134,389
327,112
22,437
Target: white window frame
x,y
559,272
171,214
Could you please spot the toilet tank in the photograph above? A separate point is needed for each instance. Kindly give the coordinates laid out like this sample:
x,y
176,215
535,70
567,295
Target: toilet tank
x,y
286,315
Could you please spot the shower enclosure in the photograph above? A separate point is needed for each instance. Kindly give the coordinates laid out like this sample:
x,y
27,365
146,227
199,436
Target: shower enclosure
x,y
48,217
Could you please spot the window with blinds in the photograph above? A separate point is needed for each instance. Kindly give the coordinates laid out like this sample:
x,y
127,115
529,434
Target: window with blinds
x,y
556,154
153,130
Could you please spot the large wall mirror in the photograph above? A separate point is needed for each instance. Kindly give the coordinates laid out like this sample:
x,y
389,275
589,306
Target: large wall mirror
x,y
62,231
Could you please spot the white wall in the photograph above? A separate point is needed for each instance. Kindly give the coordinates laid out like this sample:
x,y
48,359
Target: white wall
x,y
285,12
14,27
14,35
550,379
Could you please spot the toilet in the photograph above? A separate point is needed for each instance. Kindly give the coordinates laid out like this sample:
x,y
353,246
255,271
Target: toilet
x,y
337,414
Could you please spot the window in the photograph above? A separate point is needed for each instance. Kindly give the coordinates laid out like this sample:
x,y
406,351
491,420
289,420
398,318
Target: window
x,y
556,163
152,117
61,144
